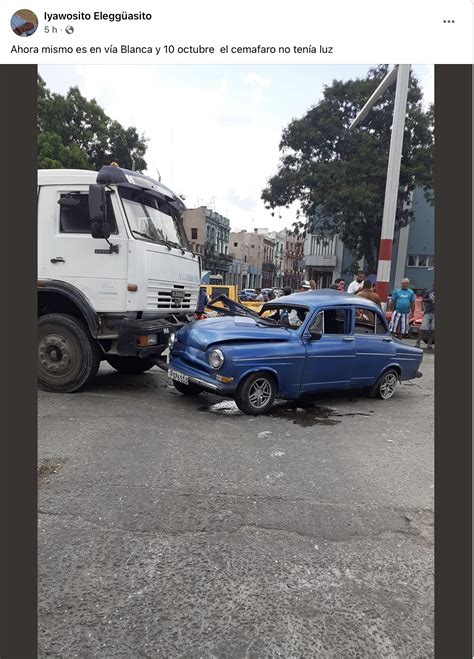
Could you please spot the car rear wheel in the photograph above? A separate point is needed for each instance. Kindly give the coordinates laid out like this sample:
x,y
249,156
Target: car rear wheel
x,y
256,394
187,389
385,386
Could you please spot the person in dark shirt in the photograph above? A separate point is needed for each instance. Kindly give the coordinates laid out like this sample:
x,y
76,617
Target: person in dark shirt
x,y
428,323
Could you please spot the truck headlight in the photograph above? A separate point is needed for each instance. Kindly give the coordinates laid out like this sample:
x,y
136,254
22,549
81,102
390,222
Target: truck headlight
x,y
171,341
216,359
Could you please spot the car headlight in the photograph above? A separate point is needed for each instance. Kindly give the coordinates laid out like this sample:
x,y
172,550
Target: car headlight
x,y
171,340
216,359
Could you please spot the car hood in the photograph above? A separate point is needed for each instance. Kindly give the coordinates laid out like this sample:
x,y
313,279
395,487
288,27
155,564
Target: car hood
x,y
224,329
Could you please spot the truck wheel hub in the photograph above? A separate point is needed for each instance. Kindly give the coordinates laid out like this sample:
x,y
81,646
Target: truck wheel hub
x,y
55,354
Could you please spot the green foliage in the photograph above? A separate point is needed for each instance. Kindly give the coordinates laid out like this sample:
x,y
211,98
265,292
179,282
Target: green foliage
x,y
338,176
74,132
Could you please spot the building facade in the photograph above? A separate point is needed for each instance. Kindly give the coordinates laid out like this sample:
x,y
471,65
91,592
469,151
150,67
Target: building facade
x,y
293,260
412,255
208,233
247,251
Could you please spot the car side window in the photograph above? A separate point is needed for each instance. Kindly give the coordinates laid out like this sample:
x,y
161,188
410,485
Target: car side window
x,y
364,321
76,219
379,325
331,321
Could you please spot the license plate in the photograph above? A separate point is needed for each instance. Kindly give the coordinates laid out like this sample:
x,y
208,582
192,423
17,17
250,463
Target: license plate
x,y
179,377
178,294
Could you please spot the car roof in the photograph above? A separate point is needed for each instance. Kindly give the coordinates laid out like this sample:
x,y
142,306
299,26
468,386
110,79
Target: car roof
x,y
324,296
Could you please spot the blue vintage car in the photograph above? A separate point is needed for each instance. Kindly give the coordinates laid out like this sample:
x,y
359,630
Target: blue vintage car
x,y
305,342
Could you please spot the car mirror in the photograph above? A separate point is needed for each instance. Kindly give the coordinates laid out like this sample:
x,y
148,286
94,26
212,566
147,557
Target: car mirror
x,y
100,228
316,335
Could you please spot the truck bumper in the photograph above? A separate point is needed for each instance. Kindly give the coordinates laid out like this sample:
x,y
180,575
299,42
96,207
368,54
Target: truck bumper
x,y
145,338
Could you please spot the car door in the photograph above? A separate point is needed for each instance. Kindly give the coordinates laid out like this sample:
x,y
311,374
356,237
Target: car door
x,y
329,358
373,344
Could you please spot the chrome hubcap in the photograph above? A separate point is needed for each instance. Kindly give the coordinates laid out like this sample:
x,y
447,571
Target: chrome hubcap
x,y
55,354
387,386
260,393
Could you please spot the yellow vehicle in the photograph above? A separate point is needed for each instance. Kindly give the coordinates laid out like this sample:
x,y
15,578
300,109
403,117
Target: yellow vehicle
x,y
214,290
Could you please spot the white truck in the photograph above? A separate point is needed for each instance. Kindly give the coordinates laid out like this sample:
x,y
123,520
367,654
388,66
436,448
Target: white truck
x,y
115,273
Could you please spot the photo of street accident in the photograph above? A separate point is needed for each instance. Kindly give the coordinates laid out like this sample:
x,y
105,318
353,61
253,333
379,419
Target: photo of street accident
x,y
236,349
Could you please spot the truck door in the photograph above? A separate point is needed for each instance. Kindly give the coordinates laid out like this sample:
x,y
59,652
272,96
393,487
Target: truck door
x,y
69,253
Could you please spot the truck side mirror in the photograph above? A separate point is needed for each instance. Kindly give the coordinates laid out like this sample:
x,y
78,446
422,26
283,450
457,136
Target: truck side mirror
x,y
100,228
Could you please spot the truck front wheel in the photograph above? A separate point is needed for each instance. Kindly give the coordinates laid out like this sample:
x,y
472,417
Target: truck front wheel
x,y
68,356
130,365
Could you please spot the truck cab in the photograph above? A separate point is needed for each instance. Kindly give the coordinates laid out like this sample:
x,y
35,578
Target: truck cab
x,y
115,273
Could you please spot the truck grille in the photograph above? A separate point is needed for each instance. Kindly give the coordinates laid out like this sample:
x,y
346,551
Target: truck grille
x,y
172,299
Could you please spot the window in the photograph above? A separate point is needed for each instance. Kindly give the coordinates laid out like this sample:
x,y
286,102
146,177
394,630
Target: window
x,y
194,234
76,219
379,325
236,244
332,321
420,261
364,321
252,246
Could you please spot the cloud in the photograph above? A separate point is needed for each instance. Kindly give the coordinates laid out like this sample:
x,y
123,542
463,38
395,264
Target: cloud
x,y
257,81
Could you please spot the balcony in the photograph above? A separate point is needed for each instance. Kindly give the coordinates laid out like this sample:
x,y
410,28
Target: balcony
x,y
318,260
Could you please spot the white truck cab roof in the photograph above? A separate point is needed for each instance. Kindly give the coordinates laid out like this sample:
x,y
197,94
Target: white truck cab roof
x,y
66,176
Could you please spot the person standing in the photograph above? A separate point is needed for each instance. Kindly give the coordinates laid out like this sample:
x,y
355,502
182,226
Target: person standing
x,y
428,323
356,285
403,305
367,292
340,284
260,297
202,303
312,283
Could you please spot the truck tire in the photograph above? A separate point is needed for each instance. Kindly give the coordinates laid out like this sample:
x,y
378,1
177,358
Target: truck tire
x,y
130,365
68,356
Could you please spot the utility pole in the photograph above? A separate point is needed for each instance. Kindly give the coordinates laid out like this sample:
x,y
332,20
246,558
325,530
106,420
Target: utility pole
x,y
402,75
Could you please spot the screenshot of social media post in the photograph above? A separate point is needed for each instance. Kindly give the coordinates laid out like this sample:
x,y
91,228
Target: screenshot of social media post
x,y
234,356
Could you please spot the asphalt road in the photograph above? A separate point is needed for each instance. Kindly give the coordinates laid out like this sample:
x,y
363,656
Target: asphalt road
x,y
179,527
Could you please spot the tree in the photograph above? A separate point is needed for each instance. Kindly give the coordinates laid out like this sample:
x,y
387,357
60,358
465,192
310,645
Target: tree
x,y
338,176
76,132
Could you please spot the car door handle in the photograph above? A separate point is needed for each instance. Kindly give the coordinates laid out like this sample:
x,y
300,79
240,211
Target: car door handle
x,y
59,259
348,338
387,339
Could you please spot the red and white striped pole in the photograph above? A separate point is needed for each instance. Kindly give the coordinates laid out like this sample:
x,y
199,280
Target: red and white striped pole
x,y
392,184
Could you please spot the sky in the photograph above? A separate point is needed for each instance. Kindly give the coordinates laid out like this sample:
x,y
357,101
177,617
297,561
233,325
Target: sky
x,y
213,130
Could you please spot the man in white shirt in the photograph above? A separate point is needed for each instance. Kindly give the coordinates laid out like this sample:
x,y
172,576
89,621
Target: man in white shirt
x,y
356,285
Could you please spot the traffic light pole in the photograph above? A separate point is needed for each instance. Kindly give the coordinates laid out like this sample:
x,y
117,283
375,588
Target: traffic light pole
x,y
402,75
392,184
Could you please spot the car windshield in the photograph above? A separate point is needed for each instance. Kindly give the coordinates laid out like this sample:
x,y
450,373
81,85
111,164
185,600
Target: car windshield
x,y
291,317
151,219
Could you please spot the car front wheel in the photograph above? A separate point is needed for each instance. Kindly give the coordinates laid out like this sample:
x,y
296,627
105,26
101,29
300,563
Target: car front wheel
x,y
385,386
256,394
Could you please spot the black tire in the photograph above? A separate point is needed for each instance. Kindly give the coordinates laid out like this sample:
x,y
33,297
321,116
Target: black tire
x,y
385,386
187,389
130,365
247,395
68,356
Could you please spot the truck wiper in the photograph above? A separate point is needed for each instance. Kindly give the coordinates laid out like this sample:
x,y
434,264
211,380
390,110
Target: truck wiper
x,y
151,239
169,242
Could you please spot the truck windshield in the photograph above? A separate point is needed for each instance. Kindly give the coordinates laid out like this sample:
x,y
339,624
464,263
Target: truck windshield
x,y
152,219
